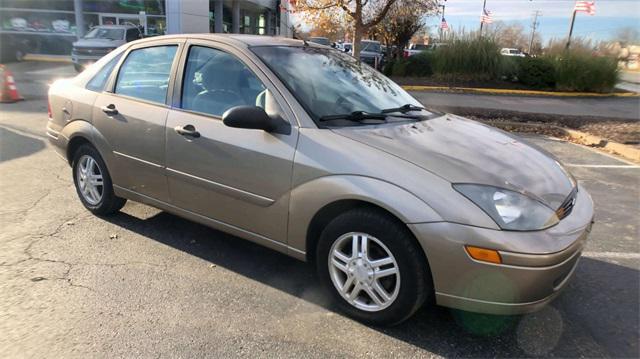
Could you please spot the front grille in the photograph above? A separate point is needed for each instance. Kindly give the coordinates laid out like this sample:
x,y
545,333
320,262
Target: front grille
x,y
91,51
567,206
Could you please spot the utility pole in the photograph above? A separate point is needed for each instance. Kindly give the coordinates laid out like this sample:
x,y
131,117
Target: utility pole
x,y
534,25
484,5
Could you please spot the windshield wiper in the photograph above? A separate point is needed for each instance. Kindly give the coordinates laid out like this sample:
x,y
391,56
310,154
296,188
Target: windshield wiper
x,y
360,116
356,116
403,109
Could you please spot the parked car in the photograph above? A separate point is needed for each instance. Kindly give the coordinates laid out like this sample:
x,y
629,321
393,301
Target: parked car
x,y
320,40
371,53
512,52
304,150
347,46
101,40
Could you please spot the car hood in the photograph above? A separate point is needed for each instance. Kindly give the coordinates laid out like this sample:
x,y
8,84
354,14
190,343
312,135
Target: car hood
x,y
464,151
98,43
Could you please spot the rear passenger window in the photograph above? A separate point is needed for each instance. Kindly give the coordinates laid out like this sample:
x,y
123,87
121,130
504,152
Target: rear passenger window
x,y
215,81
145,73
100,79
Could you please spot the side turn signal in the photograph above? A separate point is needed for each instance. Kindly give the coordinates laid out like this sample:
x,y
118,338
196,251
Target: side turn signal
x,y
483,254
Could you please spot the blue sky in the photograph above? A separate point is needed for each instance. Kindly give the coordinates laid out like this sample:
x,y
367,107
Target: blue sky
x,y
554,22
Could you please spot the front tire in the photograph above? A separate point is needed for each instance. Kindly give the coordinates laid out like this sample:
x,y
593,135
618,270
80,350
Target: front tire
x,y
93,182
373,267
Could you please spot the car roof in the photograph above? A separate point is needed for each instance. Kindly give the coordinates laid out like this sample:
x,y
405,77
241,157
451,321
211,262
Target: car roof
x,y
236,39
114,27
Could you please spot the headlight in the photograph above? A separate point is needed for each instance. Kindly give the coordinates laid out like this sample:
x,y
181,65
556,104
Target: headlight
x,y
510,210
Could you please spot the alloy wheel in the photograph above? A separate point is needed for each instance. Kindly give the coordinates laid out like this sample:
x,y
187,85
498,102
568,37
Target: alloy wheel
x,y
364,271
90,180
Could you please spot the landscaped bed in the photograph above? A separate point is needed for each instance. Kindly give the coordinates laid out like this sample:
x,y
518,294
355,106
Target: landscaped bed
x,y
476,62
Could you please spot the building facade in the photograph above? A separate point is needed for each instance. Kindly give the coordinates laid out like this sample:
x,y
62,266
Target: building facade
x,y
51,26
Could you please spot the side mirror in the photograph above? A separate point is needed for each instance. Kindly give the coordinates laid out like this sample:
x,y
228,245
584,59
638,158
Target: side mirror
x,y
255,118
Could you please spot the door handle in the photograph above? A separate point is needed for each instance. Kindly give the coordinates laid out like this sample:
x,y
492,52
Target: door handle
x,y
187,130
109,109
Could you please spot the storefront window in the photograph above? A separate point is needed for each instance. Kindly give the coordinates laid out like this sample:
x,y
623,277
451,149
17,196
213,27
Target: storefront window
x,y
156,25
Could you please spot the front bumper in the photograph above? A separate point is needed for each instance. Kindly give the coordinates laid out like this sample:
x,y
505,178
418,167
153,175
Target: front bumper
x,y
84,60
536,265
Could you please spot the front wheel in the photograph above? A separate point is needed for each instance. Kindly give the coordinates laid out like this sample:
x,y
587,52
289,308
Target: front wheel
x,y
93,182
373,267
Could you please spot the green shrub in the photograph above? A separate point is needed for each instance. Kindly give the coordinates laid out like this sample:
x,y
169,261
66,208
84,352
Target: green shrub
x,y
584,72
536,72
400,68
388,67
420,65
509,68
470,58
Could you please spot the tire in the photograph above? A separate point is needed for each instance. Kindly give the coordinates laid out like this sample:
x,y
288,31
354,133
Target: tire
x,y
19,55
105,202
78,68
406,291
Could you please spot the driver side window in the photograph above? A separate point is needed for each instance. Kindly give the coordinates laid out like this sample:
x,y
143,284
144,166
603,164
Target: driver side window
x,y
215,81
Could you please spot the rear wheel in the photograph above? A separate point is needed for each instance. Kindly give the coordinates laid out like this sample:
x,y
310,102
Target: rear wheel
x,y
93,182
373,267
78,67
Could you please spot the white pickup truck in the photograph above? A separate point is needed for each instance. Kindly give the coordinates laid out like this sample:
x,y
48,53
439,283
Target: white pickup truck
x,y
414,49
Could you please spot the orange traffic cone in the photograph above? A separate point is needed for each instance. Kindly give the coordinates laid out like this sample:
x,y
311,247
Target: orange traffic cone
x,y
8,90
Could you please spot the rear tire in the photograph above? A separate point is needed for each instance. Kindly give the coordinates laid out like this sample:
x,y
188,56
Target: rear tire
x,y
78,68
93,182
400,294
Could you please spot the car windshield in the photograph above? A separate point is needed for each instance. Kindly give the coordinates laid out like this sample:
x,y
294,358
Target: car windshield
x,y
103,33
370,46
329,82
420,47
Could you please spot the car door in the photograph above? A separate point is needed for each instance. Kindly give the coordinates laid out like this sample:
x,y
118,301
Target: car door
x,y
132,114
241,178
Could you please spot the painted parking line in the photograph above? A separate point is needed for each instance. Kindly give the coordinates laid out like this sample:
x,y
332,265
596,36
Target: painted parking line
x,y
618,255
600,166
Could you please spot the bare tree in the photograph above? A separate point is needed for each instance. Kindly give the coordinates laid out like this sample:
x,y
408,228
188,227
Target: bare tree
x,y
363,14
627,35
508,35
404,20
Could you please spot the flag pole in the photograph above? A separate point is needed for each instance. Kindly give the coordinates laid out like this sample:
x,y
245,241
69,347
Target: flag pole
x,y
573,20
484,5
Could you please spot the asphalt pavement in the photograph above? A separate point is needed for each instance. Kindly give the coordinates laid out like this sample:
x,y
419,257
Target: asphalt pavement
x,y
145,283
625,108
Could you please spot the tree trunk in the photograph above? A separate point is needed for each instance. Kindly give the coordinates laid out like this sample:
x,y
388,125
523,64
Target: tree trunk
x,y
357,37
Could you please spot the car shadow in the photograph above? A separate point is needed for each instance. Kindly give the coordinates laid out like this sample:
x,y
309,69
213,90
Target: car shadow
x,y
14,145
583,313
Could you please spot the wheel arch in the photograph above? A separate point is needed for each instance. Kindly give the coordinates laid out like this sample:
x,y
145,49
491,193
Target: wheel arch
x,y
79,132
332,210
315,203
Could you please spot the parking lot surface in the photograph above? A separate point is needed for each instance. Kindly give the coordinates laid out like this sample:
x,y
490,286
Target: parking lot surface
x,y
145,283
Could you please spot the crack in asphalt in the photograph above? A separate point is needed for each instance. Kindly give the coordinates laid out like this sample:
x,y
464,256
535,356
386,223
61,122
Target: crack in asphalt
x,y
35,238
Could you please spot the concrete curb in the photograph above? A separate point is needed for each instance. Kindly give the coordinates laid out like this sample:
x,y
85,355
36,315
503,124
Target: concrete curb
x,y
491,91
628,152
47,58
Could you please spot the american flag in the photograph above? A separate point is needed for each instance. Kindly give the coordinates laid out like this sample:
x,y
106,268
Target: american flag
x,y
444,25
486,17
585,6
